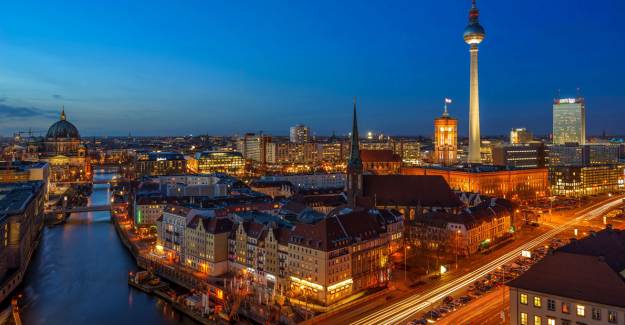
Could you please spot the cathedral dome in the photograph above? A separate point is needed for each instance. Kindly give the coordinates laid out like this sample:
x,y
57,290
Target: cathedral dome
x,y
63,129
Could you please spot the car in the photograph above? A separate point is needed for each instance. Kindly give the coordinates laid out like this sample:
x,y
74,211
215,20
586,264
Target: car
x,y
448,299
432,315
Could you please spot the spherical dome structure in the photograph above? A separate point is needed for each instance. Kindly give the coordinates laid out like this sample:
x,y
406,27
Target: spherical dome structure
x,y
474,33
63,129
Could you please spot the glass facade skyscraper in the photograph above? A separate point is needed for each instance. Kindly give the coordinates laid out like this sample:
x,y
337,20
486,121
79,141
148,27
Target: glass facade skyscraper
x,y
569,121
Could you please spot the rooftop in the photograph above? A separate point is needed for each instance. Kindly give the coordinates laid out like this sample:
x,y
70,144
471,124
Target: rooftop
x,y
591,269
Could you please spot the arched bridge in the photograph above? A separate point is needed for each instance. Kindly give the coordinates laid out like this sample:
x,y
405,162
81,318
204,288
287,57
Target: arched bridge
x,y
104,207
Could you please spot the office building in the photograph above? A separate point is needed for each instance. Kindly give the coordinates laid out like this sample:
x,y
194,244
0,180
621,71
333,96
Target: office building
x,y
572,154
569,121
580,283
253,147
520,136
526,155
160,163
576,181
227,162
299,134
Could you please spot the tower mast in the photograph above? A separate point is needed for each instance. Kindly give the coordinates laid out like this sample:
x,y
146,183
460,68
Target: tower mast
x,y
473,35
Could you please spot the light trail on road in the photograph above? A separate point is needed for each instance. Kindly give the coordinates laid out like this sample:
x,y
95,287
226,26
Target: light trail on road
x,y
405,309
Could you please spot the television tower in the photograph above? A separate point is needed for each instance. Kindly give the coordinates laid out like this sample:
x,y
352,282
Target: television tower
x,y
473,35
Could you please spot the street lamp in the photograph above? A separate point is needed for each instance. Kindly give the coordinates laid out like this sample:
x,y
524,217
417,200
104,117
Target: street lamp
x,y
457,246
405,264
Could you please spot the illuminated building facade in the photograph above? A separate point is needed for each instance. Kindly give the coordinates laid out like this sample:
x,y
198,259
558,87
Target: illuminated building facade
x,y
206,244
445,139
520,136
508,183
299,134
569,121
227,162
572,154
380,162
63,150
161,164
575,181
254,147
340,255
527,155
291,153
465,233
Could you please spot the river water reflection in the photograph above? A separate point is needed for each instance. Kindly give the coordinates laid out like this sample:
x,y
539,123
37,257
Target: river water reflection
x,y
79,275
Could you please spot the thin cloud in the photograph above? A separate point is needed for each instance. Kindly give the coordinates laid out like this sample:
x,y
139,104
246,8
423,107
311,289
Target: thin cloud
x,y
57,96
17,112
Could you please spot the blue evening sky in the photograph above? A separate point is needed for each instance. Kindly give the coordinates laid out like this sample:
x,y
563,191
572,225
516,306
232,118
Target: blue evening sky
x,y
155,67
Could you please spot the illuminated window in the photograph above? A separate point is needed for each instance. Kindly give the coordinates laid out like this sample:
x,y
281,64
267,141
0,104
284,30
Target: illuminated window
x,y
523,318
612,317
581,310
524,299
537,302
566,308
551,321
537,320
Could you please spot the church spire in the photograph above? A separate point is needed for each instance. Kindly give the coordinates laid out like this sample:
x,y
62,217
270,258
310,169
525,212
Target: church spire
x,y
354,157
353,185
63,113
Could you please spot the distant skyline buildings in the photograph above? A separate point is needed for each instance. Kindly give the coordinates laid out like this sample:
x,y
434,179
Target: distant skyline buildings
x,y
131,73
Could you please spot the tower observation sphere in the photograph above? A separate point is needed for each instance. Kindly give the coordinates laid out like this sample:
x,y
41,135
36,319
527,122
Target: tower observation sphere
x,y
474,33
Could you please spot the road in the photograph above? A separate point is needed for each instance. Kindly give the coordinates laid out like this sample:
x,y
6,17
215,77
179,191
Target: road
x,y
408,308
483,311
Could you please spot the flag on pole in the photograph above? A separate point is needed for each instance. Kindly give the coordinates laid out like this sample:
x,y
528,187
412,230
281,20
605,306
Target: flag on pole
x,y
447,100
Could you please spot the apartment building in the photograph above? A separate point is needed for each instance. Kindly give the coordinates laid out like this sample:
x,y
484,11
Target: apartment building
x,y
580,283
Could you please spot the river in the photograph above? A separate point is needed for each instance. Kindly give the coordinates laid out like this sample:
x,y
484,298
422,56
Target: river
x,y
79,275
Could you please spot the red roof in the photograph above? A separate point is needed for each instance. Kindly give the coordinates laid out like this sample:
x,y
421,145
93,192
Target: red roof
x,y
409,190
379,156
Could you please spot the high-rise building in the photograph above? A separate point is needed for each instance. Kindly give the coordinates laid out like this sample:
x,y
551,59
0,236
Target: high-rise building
x,y
520,136
299,134
445,139
569,121
254,147
473,35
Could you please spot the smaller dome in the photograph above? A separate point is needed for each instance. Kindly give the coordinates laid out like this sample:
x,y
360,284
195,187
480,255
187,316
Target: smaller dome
x,y
63,129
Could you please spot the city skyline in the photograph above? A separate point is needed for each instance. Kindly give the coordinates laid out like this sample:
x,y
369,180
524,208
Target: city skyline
x,y
140,80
